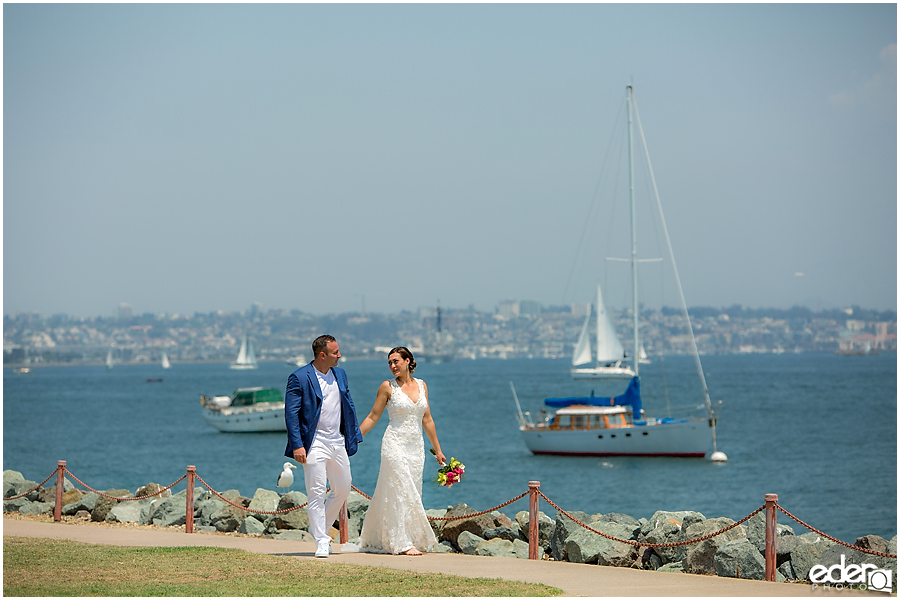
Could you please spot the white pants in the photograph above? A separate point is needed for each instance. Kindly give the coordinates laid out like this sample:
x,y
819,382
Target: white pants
x,y
331,463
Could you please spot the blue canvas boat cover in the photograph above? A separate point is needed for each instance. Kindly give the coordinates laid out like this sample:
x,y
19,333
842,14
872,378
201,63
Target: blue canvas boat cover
x,y
631,397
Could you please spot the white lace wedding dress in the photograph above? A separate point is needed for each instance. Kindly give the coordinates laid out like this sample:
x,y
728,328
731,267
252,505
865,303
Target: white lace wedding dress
x,y
395,521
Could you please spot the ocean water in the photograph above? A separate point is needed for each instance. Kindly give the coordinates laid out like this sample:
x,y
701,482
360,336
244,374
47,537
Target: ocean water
x,y
819,430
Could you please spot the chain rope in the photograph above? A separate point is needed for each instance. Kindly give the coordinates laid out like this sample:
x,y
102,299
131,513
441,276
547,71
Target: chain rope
x,y
647,544
130,498
32,489
833,539
244,508
460,517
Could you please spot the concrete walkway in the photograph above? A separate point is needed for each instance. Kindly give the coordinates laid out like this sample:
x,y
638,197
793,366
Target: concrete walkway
x,y
573,579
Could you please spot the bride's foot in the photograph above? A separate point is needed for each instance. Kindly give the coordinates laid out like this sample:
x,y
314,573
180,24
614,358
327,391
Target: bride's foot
x,y
413,552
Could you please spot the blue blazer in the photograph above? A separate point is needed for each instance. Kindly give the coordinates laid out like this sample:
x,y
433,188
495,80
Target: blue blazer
x,y
303,406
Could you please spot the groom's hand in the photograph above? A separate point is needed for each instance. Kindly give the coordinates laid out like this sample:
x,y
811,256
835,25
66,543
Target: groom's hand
x,y
300,455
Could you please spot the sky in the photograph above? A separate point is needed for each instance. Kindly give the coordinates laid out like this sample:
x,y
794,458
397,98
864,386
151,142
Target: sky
x,y
334,158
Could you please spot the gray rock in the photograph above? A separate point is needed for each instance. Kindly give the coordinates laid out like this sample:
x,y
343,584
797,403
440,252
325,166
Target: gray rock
x,y
205,510
171,511
10,476
787,571
700,556
443,547
263,500
86,502
545,526
153,488
872,542
20,487
15,505
832,556
756,531
251,525
505,533
357,506
496,547
520,549
468,542
805,556
584,546
674,517
36,508
104,504
621,519
436,526
668,532
128,512
740,559
294,535
475,525
205,528
296,519
675,567
563,527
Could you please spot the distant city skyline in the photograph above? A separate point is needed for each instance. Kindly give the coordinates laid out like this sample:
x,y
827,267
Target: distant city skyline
x,y
189,158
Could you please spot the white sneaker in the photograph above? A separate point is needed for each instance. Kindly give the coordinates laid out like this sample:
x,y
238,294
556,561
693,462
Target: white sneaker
x,y
323,550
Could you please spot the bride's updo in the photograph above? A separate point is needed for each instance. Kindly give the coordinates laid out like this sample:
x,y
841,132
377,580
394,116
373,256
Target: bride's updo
x,y
404,353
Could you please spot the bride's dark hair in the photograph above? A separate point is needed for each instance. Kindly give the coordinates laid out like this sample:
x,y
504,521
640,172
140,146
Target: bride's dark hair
x,y
404,353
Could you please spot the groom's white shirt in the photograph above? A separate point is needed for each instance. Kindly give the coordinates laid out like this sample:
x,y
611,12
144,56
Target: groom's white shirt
x,y
328,430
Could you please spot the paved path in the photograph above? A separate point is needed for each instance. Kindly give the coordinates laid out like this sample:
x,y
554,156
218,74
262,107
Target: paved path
x,y
573,579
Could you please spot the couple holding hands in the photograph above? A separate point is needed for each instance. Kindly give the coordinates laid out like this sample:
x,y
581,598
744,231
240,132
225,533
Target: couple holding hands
x,y
323,433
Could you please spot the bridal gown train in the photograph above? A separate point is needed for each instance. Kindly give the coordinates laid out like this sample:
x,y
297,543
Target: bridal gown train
x,y
395,521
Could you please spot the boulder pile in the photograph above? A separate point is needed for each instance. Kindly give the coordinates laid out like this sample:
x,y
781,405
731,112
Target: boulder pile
x,y
738,552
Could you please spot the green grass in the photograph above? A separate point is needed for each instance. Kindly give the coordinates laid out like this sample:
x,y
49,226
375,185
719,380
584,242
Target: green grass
x,y
47,567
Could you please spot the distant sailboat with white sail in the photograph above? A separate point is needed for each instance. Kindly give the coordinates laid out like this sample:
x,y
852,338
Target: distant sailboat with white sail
x,y
165,361
246,358
109,360
610,356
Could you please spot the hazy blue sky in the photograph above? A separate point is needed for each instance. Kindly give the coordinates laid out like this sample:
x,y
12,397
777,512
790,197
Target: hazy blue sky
x,y
187,158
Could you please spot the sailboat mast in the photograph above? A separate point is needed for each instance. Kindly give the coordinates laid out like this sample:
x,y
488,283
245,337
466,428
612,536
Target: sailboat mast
x,y
634,357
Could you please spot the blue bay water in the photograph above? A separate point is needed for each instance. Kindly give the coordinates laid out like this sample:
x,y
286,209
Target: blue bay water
x,y
817,429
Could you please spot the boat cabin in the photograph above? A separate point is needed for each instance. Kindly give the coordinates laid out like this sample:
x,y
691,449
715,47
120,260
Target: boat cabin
x,y
590,417
256,395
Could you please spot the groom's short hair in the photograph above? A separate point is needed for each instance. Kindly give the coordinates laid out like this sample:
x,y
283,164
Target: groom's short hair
x,y
320,344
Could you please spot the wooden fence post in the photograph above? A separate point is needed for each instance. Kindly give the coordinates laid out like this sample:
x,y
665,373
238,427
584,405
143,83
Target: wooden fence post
x,y
533,522
189,503
60,478
771,536
342,524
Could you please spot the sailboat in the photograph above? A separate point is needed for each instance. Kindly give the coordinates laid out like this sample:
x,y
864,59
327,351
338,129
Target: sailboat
x,y
165,361
246,359
618,425
609,363
109,360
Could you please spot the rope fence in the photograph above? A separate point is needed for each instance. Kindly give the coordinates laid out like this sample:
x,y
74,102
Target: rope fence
x,y
770,507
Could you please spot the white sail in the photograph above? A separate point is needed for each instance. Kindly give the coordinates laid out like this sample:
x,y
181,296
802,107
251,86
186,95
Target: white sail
x,y
165,361
583,348
246,358
609,348
109,359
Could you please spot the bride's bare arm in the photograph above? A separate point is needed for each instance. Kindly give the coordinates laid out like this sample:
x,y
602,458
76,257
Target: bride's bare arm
x,y
430,431
381,398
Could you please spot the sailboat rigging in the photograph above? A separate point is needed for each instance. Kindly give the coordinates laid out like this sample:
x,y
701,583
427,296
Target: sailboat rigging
x,y
246,358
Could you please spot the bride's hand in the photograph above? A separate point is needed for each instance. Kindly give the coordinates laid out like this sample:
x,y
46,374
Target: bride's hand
x,y
442,460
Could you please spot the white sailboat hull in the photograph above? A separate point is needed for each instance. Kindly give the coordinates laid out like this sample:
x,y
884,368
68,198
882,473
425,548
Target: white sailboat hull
x,y
685,439
239,366
624,372
247,419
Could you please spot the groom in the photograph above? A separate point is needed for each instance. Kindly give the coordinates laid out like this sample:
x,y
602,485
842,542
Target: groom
x,y
322,434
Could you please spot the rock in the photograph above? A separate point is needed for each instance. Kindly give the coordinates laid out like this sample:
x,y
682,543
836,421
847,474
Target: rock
x,y
443,547
700,556
668,532
621,519
675,567
171,511
674,517
296,519
36,508
83,515
436,526
86,502
563,527
872,542
740,559
647,559
20,487
357,506
205,511
294,535
128,512
504,533
227,518
10,476
72,496
104,504
153,488
787,571
832,556
205,528
475,525
584,546
805,556
756,531
545,526
496,547
501,519
251,525
264,500
521,549
468,542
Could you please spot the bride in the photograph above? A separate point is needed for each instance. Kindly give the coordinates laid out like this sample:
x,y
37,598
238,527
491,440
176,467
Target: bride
x,y
395,522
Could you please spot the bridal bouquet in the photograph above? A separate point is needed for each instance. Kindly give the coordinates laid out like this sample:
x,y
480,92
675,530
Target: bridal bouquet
x,y
450,473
